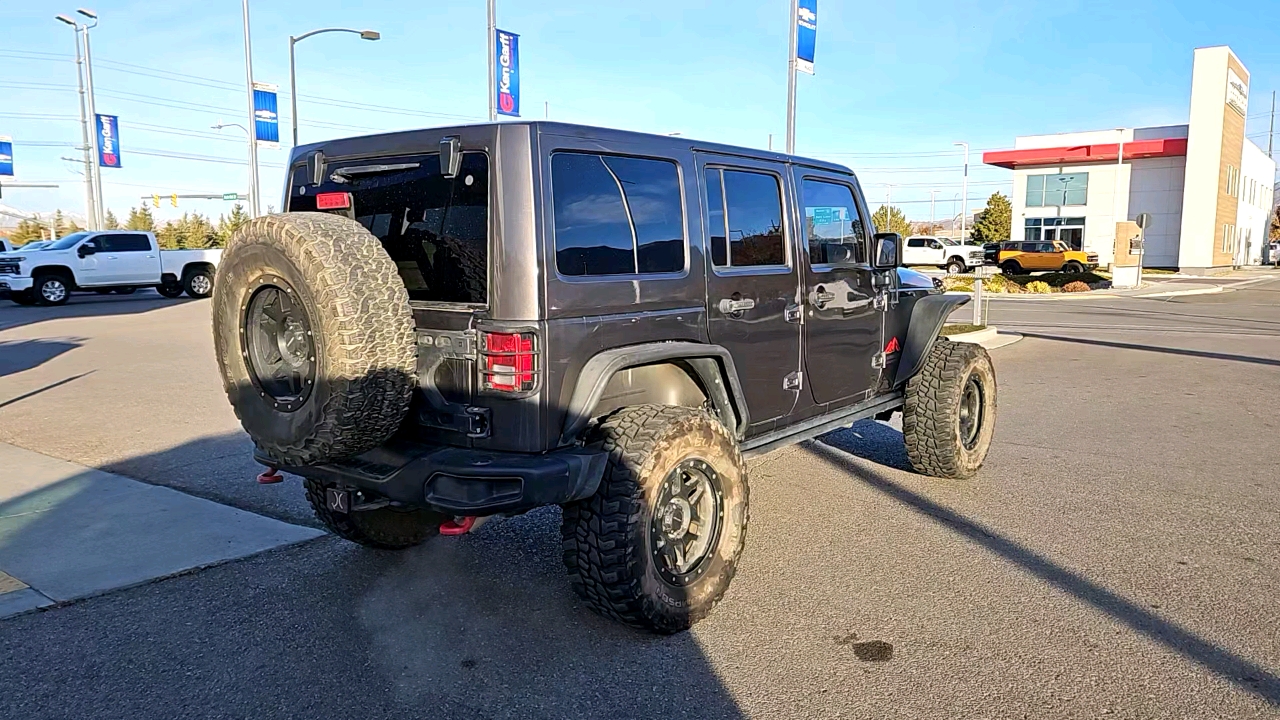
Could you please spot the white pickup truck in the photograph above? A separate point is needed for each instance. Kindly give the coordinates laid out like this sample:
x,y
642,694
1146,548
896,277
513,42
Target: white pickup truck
x,y
942,253
105,261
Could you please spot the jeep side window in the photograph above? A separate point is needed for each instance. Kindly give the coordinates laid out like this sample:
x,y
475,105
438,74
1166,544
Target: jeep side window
x,y
831,218
616,215
751,205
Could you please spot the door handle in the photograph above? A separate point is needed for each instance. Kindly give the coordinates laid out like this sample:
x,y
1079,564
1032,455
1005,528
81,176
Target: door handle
x,y
821,298
730,307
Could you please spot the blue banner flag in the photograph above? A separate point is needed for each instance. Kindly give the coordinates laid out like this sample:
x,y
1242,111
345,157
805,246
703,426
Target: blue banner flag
x,y
6,155
108,141
508,72
266,121
806,34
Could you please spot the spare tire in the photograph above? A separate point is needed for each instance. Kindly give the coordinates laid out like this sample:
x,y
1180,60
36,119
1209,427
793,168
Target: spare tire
x,y
314,337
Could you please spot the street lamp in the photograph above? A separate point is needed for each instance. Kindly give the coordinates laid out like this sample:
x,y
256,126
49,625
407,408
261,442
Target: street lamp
x,y
293,81
93,115
252,175
964,190
90,204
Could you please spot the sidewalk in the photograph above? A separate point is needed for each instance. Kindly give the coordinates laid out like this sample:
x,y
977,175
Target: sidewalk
x,y
69,532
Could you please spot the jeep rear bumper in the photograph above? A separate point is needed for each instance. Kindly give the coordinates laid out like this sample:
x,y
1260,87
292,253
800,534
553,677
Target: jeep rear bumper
x,y
461,481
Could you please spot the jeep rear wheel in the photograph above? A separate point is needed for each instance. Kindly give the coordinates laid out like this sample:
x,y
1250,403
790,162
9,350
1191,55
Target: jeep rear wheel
x,y
314,337
658,544
950,411
388,527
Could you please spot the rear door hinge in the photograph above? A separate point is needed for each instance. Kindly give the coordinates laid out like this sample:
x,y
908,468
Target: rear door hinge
x,y
793,313
878,361
882,301
793,381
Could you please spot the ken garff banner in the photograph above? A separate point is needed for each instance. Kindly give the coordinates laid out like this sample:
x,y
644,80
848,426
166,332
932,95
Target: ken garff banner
x,y
266,121
108,141
806,34
6,155
507,68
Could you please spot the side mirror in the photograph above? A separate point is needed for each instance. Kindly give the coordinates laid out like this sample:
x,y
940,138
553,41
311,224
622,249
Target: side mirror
x,y
450,156
886,251
87,249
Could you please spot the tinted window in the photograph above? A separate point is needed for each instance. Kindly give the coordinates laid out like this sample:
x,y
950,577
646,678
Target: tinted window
x,y
1057,190
915,242
831,218
715,220
123,243
754,216
436,229
616,215
1029,247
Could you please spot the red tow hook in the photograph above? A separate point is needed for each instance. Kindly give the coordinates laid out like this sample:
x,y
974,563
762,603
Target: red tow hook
x,y
456,527
270,476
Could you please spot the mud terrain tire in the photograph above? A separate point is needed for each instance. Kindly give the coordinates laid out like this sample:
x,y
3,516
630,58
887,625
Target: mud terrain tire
x,y
955,388
611,540
324,292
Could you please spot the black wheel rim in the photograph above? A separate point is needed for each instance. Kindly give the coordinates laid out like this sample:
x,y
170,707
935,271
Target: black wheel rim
x,y
971,406
278,346
687,520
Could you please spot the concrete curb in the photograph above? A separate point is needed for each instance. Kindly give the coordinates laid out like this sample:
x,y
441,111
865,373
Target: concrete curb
x,y
1176,293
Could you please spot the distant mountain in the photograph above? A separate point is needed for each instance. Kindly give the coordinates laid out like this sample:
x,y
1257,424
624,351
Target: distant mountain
x,y
10,216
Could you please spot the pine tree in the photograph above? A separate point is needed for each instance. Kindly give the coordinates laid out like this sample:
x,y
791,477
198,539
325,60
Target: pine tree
x,y
228,224
111,222
891,219
994,224
28,231
140,219
63,225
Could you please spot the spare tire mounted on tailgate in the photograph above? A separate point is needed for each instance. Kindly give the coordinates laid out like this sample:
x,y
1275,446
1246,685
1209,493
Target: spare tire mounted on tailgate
x,y
314,336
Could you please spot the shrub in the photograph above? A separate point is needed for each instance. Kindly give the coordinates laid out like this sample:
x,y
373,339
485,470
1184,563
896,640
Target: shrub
x,y
953,283
1001,284
1076,286
1039,287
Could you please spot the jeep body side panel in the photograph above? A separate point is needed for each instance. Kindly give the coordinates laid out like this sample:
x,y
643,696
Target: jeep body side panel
x,y
927,317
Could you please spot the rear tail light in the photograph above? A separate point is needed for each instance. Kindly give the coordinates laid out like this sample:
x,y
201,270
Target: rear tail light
x,y
509,361
333,201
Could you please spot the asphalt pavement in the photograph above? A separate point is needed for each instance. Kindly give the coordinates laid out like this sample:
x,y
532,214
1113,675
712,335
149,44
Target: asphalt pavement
x,y
1119,554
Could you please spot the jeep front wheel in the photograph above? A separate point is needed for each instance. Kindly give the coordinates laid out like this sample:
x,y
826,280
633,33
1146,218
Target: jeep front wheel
x,y
658,544
950,411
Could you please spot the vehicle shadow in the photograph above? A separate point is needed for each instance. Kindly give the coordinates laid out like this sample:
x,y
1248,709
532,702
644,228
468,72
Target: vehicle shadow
x,y
84,305
19,355
1152,348
1239,671
482,626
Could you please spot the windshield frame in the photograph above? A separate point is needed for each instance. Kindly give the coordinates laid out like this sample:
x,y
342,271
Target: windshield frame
x,y
66,242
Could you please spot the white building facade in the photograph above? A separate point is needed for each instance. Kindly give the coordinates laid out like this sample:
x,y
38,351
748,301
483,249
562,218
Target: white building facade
x,y
1207,188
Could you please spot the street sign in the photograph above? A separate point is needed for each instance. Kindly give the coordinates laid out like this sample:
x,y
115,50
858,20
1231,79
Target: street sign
x,y
230,196
806,34
1144,220
6,155
266,120
108,141
507,71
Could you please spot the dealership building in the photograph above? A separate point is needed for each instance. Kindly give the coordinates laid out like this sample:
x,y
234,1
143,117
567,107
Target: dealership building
x,y
1207,188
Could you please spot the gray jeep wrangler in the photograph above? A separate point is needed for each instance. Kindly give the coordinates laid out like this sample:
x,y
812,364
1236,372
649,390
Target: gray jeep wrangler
x,y
465,322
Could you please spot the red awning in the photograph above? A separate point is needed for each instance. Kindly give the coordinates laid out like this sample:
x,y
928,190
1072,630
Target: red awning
x,y
1080,154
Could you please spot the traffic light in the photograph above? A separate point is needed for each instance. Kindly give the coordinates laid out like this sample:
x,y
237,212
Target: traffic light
x,y
174,199
155,201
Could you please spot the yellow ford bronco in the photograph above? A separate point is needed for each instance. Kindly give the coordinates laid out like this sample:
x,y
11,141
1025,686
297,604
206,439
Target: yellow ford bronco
x,y
1017,258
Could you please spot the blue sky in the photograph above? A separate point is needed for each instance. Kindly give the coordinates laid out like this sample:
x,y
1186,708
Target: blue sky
x,y
896,83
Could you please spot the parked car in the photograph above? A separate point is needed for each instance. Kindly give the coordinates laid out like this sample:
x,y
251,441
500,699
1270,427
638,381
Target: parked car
x,y
1017,258
107,261
991,253
926,250
5,245
481,320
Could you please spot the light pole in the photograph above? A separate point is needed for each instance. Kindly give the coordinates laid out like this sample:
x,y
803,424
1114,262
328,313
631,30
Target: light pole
x,y
794,33
253,144
293,78
964,191
218,126
90,204
493,68
932,215
93,115
888,207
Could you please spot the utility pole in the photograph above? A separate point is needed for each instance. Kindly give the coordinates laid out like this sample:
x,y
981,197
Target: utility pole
x,y
964,192
1271,134
90,209
932,193
99,212
253,141
791,77
493,67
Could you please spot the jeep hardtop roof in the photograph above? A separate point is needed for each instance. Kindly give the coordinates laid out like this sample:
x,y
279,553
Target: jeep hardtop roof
x,y
414,140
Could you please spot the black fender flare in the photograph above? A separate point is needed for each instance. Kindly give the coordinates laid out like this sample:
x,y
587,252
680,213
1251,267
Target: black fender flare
x,y
712,363
927,317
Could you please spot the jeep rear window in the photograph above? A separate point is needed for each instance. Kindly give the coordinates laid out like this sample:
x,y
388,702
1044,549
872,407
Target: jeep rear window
x,y
436,229
616,215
